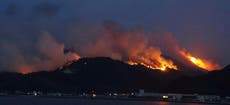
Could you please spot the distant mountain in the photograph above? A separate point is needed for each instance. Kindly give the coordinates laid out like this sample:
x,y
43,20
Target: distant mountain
x,y
104,75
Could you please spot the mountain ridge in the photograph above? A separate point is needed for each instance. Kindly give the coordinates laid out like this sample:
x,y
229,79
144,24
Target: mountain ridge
x,y
105,74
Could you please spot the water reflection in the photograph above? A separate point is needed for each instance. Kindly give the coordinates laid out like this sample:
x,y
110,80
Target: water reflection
x,y
172,103
162,103
28,100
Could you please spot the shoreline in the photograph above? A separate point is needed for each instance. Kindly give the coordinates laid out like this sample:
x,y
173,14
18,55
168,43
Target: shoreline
x,y
115,98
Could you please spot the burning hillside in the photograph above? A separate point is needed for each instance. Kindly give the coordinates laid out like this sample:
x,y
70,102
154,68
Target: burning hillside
x,y
202,63
152,58
131,46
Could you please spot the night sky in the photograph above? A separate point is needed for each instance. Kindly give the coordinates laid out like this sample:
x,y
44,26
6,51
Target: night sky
x,y
200,26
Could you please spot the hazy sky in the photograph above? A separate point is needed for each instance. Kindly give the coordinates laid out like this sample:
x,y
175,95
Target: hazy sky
x,y
201,26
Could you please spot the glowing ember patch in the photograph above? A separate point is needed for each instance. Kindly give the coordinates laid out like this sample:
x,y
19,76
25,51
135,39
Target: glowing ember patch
x,y
193,59
24,69
162,68
132,63
202,63
198,62
151,58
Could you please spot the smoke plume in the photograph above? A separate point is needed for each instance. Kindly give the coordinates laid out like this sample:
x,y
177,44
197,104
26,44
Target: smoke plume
x,y
50,56
108,40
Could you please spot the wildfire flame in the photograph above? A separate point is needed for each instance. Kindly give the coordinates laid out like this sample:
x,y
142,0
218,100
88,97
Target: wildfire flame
x,y
24,69
160,67
152,59
131,46
202,63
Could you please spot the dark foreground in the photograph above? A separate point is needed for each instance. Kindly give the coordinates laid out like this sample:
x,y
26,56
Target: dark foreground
x,y
102,74
31,100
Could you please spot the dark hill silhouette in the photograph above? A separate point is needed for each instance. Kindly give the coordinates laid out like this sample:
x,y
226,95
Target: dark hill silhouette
x,y
215,82
104,74
98,73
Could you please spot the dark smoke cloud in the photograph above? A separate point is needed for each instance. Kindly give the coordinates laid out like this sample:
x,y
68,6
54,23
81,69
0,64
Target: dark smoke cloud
x,y
113,41
50,55
10,56
21,28
108,39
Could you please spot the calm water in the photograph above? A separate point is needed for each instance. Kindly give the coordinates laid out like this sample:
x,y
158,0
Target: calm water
x,y
26,100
